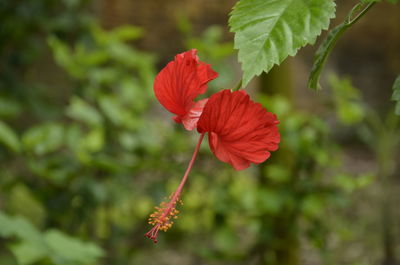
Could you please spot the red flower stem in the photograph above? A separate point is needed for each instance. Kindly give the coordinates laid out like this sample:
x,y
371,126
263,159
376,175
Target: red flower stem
x,y
161,218
189,168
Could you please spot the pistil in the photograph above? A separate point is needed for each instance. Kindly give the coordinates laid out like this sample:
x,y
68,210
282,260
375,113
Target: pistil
x,y
162,218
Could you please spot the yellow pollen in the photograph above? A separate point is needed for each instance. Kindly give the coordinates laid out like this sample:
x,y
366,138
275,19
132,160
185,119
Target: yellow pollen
x,y
163,214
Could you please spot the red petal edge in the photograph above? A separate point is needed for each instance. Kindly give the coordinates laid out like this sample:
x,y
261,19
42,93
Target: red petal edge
x,y
241,131
179,83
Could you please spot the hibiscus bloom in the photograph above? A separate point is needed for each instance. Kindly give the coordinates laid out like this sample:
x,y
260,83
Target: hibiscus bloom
x,y
179,83
240,131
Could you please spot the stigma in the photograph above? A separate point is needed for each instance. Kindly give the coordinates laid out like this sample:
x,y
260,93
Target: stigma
x,y
162,218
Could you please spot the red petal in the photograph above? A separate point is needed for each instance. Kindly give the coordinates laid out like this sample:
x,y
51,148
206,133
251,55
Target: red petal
x,y
240,131
191,118
180,82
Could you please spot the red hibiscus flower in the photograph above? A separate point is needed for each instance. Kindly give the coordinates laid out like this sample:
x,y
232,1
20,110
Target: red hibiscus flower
x,y
179,83
240,131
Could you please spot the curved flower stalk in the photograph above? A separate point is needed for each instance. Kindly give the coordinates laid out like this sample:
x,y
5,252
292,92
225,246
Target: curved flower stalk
x,y
240,131
162,218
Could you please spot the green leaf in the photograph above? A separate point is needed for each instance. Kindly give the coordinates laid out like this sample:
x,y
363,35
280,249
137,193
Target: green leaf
x,y
63,56
18,227
329,42
84,112
23,202
27,252
31,248
112,109
8,137
45,138
121,33
268,31
322,54
69,250
94,140
53,244
396,94
125,32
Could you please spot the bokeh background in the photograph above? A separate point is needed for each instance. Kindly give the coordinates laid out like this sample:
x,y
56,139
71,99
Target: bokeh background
x,y
86,151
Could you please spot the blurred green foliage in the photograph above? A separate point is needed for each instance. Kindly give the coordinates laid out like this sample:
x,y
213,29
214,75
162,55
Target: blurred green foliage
x,y
347,100
396,94
86,158
53,246
213,50
379,133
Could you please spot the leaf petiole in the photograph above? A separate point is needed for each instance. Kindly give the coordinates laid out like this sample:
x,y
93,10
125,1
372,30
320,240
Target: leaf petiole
x,y
329,42
239,85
